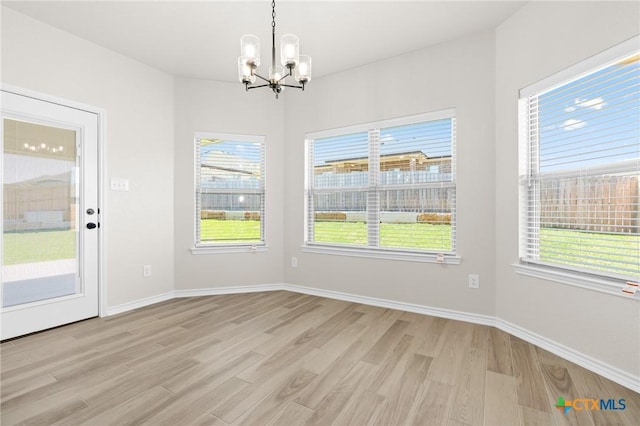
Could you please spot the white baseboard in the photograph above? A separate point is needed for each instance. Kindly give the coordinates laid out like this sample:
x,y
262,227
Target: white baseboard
x,y
214,291
612,373
392,304
621,377
140,303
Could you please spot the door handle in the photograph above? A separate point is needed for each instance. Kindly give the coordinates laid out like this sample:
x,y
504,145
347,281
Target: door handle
x,y
91,225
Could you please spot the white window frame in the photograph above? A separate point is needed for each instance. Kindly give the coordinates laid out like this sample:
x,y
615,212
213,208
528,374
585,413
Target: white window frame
x,y
610,283
405,254
212,247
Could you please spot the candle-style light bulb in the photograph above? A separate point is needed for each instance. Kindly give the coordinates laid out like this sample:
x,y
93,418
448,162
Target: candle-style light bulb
x,y
289,51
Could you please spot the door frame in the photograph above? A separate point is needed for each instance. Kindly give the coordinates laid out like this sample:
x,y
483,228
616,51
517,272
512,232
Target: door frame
x,y
102,151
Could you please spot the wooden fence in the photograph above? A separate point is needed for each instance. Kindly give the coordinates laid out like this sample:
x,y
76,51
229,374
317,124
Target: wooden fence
x,y
22,199
596,203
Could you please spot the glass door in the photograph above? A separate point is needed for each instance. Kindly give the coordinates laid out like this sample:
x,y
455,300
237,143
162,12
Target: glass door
x,y
50,216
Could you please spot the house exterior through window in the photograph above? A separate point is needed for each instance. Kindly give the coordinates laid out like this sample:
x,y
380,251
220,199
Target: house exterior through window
x,y
580,168
387,186
229,190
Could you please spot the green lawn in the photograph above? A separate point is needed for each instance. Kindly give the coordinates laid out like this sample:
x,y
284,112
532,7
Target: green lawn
x,y
29,247
570,246
557,245
230,231
415,235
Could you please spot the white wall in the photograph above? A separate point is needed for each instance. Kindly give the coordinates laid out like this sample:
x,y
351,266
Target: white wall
x,y
139,104
457,74
540,39
208,106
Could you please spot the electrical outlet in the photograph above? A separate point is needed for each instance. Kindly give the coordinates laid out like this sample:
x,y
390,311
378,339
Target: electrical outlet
x,y
474,281
146,270
294,262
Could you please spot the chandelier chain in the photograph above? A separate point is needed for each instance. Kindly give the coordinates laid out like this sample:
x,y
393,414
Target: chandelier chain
x,y
273,16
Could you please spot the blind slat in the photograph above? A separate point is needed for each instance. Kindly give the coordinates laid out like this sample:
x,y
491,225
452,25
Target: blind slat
x,y
580,190
230,189
398,193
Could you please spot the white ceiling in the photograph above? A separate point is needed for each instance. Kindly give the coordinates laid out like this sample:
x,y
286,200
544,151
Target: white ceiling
x,y
201,39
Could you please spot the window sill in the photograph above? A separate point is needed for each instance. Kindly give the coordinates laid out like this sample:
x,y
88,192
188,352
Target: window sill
x,y
228,249
449,259
576,279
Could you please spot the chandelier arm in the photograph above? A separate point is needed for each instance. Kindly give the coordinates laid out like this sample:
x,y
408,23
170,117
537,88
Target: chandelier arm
x,y
261,77
255,87
295,87
285,76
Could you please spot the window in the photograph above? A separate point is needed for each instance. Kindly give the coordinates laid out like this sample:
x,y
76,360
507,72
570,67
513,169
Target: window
x,y
229,190
580,164
385,186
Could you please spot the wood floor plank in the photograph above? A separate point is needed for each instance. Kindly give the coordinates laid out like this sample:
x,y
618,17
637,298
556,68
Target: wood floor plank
x,y
280,358
499,357
335,402
446,365
245,341
52,414
292,414
501,400
23,386
62,389
11,373
188,405
433,337
546,357
208,419
389,340
532,417
117,389
335,348
46,414
390,363
468,400
291,317
402,403
320,335
529,381
307,323
434,404
266,306
270,407
108,393
559,383
213,373
135,410
252,395
364,410
592,386
338,369
632,399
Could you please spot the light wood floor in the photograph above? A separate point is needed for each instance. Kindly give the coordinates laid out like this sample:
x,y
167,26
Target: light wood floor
x,y
280,358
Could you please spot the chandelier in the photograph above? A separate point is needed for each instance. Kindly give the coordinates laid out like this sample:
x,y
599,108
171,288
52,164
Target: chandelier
x,y
290,58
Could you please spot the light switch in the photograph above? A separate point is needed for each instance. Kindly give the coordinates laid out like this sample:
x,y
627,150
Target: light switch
x,y
119,184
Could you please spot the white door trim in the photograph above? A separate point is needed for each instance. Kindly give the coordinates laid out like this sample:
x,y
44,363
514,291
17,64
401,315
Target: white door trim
x,y
102,172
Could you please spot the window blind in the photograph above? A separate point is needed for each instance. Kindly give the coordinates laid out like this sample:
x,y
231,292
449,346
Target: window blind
x,y
580,178
389,187
230,189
